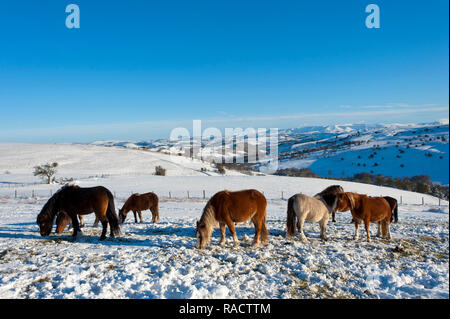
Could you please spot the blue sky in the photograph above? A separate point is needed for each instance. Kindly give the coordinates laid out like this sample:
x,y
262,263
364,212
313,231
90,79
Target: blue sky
x,y
137,69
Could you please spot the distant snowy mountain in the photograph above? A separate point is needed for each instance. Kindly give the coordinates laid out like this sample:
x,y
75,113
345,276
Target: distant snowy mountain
x,y
396,150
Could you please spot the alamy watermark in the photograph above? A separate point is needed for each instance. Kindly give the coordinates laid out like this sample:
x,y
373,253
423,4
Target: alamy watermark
x,y
73,19
235,145
373,19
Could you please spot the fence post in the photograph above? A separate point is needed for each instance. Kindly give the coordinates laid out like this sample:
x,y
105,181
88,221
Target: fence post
x,y
439,202
282,195
423,202
204,195
32,193
170,195
15,193
188,194
401,199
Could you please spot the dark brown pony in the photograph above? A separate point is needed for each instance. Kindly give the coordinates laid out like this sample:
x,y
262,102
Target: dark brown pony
x,y
394,207
367,209
138,203
225,208
334,190
74,201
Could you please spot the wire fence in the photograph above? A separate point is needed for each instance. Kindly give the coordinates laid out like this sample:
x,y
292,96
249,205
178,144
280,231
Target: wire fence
x,y
196,195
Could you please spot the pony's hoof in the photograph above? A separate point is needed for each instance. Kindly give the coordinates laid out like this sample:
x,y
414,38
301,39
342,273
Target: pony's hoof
x,y
102,237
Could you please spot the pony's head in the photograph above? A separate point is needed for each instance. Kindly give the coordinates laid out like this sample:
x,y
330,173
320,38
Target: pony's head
x,y
201,232
345,202
122,215
205,226
51,208
46,217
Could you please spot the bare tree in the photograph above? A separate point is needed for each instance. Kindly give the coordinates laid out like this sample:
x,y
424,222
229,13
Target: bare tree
x,y
46,171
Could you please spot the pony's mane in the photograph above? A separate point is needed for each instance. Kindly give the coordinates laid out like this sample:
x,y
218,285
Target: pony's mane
x,y
208,220
48,208
208,216
331,189
330,200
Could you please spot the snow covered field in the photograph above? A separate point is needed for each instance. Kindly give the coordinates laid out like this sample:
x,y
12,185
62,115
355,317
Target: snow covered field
x,y
161,260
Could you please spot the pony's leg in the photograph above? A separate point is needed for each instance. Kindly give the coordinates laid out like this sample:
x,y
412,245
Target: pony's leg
x,y
367,226
301,235
379,234
258,226
230,225
70,222
222,233
388,230
153,216
333,217
76,226
356,221
96,222
81,221
323,228
140,216
104,222
135,217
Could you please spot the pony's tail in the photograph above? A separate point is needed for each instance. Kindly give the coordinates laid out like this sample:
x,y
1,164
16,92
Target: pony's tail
x,y
264,232
395,215
155,208
291,218
112,216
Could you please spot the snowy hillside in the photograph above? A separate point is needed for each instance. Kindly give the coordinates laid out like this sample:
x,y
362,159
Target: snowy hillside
x,y
161,260
391,150
88,161
397,150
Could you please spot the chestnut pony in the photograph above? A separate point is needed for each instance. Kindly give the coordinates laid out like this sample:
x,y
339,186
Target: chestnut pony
x,y
227,207
333,189
367,209
74,201
62,220
138,203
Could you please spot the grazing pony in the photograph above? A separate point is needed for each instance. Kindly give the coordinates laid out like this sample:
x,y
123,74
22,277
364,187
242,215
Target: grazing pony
x,y
367,209
227,207
333,189
303,208
74,201
138,203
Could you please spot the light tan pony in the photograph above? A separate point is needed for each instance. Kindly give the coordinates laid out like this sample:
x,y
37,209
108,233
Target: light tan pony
x,y
303,208
227,207
368,210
